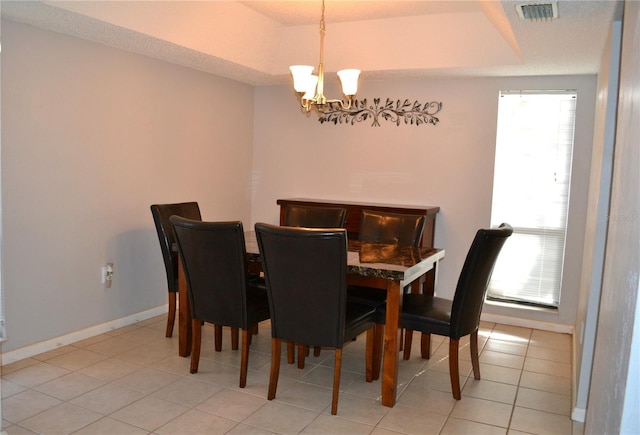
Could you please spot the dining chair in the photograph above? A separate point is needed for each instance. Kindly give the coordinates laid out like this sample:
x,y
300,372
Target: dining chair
x,y
459,317
161,214
314,217
311,217
214,259
306,276
388,228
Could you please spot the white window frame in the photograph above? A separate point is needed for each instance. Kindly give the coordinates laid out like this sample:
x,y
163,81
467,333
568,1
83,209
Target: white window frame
x,y
532,179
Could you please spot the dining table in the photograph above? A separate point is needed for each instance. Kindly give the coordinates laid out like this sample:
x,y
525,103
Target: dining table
x,y
373,265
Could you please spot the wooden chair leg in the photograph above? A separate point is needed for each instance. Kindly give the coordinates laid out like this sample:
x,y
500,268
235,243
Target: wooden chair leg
x,y
291,352
234,338
378,346
316,351
336,382
302,353
369,354
408,338
196,340
217,337
475,362
425,345
275,367
171,316
454,371
244,359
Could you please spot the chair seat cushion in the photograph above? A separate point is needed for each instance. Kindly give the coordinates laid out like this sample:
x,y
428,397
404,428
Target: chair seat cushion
x,y
367,296
426,313
358,319
257,305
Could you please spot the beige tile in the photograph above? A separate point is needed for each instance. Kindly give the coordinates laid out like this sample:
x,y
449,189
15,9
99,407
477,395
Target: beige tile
x,y
549,339
174,363
108,425
538,422
147,380
16,430
482,411
370,390
76,359
548,367
245,429
62,419
110,369
540,381
550,353
502,359
36,374
506,347
514,334
436,380
505,375
218,373
281,418
332,424
233,405
436,401
10,388
18,365
26,404
61,350
145,355
544,401
484,389
456,426
187,392
409,420
306,396
194,422
149,413
107,399
112,346
323,376
360,409
69,386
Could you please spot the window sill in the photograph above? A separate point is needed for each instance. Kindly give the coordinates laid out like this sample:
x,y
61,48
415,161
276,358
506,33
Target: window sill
x,y
521,307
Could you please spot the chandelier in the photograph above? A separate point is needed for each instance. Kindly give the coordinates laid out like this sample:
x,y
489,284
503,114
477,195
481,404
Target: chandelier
x,y
310,88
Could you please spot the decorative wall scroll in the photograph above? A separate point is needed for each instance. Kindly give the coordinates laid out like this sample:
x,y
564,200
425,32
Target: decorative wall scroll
x,y
411,113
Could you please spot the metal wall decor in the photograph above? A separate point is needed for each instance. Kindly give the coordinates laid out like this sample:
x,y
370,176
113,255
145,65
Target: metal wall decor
x,y
411,113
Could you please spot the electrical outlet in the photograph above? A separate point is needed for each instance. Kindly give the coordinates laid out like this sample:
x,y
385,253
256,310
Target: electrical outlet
x,y
107,274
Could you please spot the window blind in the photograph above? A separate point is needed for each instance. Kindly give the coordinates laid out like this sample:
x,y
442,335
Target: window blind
x,y
532,175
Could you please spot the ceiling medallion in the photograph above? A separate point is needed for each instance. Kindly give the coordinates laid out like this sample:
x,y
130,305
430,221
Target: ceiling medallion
x,y
411,113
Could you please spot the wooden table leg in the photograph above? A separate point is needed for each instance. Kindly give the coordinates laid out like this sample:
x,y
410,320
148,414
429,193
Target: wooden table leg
x,y
390,356
184,315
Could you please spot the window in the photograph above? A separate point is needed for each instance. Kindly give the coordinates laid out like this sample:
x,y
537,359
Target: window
x,y
532,175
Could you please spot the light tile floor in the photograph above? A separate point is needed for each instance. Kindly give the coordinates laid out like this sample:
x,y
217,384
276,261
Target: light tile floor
x,y
132,381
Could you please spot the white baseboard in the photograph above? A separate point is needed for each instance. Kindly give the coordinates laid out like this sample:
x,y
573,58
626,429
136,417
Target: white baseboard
x,y
527,323
63,340
579,414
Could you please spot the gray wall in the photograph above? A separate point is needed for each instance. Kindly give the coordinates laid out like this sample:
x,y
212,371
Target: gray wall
x,y
449,165
91,136
613,396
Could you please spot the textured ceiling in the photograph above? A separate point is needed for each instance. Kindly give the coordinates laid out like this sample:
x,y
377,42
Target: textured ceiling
x,y
256,41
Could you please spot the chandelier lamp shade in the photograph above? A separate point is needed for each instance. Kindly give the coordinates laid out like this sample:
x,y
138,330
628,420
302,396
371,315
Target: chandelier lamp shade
x,y
310,87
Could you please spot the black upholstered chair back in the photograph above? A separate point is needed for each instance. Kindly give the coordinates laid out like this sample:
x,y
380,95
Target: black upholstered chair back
x,y
474,279
161,214
393,228
214,255
314,217
305,272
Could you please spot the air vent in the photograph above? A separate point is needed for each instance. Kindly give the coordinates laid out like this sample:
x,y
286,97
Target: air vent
x,y
537,11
